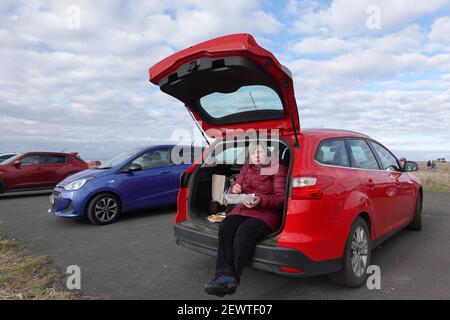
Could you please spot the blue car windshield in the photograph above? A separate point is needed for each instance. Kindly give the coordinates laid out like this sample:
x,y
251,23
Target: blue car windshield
x,y
121,157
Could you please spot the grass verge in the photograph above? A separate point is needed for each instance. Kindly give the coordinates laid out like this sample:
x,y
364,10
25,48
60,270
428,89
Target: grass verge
x,y
26,277
438,181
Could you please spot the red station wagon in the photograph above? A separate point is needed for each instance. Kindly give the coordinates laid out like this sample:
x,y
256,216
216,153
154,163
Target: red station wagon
x,y
345,192
38,170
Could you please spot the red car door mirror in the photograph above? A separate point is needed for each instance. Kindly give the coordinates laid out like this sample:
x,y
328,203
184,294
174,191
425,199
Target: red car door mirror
x,y
17,163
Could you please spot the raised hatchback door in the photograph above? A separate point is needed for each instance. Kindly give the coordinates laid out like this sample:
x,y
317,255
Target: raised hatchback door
x,y
231,83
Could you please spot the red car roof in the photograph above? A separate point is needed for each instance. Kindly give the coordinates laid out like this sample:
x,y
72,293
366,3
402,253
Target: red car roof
x,y
54,153
332,133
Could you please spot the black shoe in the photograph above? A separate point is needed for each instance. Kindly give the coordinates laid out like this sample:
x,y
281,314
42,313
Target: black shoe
x,y
221,286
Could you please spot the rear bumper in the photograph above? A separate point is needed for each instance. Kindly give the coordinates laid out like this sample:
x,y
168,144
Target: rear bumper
x,y
267,257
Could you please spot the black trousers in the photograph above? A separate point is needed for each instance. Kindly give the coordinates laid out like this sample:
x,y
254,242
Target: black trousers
x,y
238,236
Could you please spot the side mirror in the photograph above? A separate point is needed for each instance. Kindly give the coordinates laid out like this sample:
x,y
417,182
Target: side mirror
x,y
411,166
17,163
133,167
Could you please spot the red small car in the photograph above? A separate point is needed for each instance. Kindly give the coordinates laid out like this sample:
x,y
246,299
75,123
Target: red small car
x,y
345,192
38,170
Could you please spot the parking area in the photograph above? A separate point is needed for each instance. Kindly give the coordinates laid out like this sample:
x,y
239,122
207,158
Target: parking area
x,y
137,257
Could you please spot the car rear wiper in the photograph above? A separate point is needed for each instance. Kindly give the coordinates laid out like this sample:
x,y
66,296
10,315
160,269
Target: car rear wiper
x,y
253,100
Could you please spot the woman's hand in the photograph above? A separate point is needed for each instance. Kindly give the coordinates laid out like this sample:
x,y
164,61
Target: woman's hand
x,y
236,189
256,201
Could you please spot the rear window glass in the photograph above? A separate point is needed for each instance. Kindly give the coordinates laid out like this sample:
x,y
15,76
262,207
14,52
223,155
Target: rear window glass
x,y
245,99
333,152
230,156
237,154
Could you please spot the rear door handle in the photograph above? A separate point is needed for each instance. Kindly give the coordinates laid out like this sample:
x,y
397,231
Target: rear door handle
x,y
164,172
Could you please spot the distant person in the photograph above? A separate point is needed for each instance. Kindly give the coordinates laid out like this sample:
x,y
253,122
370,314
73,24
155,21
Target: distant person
x,y
429,166
433,166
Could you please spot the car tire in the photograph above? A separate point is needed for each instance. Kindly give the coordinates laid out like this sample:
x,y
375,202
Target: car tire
x,y
354,276
416,223
1,187
103,209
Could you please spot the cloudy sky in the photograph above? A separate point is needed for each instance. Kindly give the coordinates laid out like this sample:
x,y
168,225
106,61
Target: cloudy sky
x,y
381,67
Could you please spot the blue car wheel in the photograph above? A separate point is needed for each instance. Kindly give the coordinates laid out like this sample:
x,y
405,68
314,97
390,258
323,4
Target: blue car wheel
x,y
104,209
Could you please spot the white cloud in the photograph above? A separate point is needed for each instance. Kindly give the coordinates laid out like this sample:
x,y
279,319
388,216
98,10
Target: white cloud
x,y
440,30
391,86
409,39
439,39
89,87
349,17
318,45
87,90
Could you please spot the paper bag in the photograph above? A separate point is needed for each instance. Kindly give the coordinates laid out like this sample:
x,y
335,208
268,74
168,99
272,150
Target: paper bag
x,y
218,187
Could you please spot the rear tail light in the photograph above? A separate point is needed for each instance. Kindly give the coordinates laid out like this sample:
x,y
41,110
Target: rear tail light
x,y
310,187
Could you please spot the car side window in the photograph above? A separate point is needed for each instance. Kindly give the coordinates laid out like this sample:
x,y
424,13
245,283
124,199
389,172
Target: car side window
x,y
153,159
185,154
44,159
333,152
388,161
31,160
234,155
362,156
57,159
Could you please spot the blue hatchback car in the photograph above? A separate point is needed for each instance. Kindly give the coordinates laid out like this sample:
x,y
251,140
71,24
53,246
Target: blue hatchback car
x,y
136,179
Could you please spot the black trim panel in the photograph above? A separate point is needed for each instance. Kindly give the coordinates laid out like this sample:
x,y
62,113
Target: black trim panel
x,y
377,242
9,191
184,179
267,257
201,77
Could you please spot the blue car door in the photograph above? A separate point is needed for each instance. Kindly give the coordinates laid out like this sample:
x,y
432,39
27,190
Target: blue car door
x,y
155,183
176,171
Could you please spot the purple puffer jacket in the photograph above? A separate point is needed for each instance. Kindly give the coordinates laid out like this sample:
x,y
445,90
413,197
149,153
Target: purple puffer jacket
x,y
271,189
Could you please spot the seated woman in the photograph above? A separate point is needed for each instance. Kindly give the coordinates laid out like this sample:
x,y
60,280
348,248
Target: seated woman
x,y
248,223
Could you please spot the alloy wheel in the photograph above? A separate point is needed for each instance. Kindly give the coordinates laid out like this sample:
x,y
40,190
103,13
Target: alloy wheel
x,y
360,251
106,209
